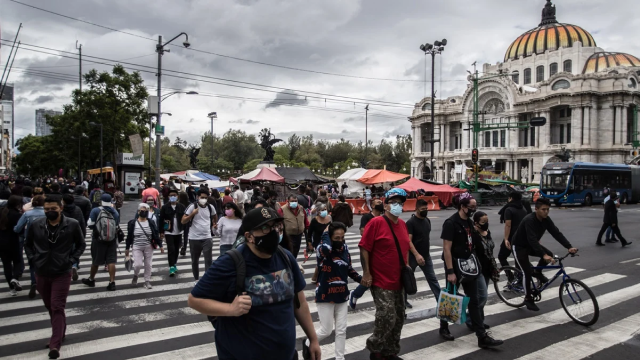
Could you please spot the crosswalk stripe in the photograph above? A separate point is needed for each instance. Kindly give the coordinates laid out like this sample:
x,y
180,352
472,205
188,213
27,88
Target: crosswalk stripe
x,y
582,346
190,353
468,344
358,343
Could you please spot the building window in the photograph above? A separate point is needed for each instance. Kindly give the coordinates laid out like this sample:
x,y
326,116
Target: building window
x,y
568,112
533,137
568,133
487,139
426,107
561,113
495,139
561,134
560,84
503,138
633,83
525,137
515,77
567,66
527,76
553,69
540,73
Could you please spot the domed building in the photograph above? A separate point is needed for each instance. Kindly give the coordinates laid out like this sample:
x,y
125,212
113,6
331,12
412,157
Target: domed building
x,y
556,71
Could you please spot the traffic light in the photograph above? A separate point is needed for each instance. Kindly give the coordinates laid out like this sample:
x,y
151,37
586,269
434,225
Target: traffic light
x,y
476,168
474,156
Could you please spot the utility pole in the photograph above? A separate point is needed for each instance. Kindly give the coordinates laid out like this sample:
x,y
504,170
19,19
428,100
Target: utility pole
x,y
212,115
13,46
366,135
79,48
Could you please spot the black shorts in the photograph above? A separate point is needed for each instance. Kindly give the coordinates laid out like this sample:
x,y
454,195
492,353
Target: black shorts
x,y
104,252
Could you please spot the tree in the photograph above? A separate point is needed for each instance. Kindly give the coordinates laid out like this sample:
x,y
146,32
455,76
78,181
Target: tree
x,y
37,157
293,144
117,101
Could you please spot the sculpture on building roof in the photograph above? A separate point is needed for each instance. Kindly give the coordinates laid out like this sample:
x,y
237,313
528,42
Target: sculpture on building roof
x,y
548,14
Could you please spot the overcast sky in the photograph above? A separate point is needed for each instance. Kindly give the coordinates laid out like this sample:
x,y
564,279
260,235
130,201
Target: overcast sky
x,y
373,38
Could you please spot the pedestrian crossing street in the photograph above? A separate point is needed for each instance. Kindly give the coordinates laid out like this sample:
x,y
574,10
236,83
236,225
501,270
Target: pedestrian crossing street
x,y
136,323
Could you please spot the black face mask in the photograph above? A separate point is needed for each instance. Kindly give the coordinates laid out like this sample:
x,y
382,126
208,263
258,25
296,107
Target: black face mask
x,y
470,212
337,245
268,244
424,213
144,214
52,215
379,207
484,227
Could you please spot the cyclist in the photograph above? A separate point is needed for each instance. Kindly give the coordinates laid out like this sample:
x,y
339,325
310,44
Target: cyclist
x,y
526,241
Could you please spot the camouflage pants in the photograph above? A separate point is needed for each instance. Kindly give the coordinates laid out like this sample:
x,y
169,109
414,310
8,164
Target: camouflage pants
x,y
388,323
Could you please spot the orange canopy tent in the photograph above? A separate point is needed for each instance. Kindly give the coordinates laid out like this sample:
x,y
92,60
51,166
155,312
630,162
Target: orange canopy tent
x,y
444,192
381,176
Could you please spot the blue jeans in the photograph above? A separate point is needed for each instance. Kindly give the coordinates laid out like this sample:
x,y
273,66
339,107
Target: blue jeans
x,y
608,234
482,284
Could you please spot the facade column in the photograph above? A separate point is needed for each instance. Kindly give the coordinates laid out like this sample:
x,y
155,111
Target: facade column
x,y
593,133
466,135
614,116
418,140
623,124
576,125
531,171
441,137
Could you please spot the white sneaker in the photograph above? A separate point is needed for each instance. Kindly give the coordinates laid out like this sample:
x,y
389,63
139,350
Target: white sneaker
x,y
148,285
16,285
13,292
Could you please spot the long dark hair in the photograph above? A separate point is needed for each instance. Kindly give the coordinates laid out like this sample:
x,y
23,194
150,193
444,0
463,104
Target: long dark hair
x,y
15,203
478,215
183,198
236,209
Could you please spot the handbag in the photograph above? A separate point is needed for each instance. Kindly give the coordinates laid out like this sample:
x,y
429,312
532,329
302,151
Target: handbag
x,y
151,240
452,307
467,269
407,277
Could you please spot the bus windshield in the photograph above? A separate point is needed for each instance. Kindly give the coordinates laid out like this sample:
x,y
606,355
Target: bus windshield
x,y
557,180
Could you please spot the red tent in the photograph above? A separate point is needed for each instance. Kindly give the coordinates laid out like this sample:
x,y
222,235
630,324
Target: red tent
x,y
267,174
444,192
381,176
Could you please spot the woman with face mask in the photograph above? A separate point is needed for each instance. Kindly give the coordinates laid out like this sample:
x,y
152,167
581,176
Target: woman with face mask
x,y
332,292
316,228
483,243
228,226
143,236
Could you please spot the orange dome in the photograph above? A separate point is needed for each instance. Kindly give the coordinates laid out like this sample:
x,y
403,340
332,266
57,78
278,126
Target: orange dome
x,y
549,35
605,60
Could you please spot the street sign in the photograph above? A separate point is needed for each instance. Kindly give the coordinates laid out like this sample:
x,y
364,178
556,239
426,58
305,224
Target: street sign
x,y
160,130
538,121
474,156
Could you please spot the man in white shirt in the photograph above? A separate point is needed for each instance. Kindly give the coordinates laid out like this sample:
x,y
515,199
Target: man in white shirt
x,y
238,196
203,218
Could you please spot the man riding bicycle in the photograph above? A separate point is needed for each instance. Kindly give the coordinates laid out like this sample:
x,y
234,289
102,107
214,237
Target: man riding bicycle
x,y
526,242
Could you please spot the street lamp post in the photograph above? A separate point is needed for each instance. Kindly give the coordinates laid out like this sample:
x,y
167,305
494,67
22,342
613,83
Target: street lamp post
x,y
366,135
160,49
101,176
433,50
212,115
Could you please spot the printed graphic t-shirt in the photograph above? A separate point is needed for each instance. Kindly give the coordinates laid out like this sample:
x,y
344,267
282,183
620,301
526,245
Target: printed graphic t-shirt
x,y
268,331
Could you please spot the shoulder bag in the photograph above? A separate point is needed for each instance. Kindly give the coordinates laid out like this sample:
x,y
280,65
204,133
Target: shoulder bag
x,y
151,240
468,269
407,277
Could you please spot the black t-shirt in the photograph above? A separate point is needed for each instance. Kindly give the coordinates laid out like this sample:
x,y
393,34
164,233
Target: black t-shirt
x,y
516,215
303,200
365,220
316,229
458,231
419,229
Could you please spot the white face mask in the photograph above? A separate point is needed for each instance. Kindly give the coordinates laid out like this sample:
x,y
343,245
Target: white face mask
x,y
202,202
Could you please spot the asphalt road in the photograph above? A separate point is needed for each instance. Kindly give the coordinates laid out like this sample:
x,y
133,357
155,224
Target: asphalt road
x,y
156,324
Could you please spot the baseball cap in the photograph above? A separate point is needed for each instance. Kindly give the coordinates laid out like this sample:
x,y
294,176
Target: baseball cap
x,y
258,217
105,199
395,193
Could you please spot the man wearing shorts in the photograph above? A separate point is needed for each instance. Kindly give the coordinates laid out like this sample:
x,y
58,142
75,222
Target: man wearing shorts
x,y
102,252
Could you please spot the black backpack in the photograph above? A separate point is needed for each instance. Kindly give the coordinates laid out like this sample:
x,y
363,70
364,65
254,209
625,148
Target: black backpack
x,y
241,274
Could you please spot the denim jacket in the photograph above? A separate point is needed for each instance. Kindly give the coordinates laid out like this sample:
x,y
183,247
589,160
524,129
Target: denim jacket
x,y
26,220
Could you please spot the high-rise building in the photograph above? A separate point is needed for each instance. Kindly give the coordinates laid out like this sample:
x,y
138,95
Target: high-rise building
x,y
8,112
42,128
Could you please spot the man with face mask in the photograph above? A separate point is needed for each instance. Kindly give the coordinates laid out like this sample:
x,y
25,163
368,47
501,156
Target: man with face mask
x,y
202,218
272,316
102,252
171,228
53,243
296,222
381,268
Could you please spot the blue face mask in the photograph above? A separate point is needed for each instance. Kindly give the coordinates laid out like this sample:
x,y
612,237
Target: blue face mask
x,y
396,209
323,213
293,205
173,198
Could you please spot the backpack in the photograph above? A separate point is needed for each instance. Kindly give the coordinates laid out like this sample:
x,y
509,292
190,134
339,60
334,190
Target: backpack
x,y
96,197
241,274
106,226
211,211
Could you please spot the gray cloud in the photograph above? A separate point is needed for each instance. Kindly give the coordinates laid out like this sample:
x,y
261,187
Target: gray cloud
x,y
239,121
284,97
252,121
43,99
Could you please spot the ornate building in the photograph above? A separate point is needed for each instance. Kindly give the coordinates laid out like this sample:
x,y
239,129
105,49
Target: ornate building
x,y
556,71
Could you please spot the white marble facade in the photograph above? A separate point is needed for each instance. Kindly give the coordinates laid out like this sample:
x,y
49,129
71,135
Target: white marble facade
x,y
589,107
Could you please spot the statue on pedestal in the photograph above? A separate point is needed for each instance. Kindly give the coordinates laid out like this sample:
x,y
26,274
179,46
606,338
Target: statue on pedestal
x,y
267,140
193,156
524,174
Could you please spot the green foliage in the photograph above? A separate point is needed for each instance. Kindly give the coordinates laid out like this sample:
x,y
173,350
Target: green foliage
x,y
39,155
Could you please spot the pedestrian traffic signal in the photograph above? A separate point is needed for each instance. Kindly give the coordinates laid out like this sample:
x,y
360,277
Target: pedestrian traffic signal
x,y
474,156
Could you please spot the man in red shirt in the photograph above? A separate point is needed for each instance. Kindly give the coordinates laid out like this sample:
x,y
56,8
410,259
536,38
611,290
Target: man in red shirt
x,y
381,268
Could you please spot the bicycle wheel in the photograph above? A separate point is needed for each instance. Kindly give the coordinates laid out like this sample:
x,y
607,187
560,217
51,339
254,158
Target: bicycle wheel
x,y
510,288
579,302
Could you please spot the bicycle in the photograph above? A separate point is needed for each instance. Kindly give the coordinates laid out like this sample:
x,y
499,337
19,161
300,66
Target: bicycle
x,y
576,298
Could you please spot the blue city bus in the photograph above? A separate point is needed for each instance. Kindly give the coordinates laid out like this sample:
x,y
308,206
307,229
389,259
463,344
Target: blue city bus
x,y
583,183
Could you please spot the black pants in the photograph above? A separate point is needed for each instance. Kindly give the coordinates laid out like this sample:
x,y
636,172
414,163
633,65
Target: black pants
x,y
522,260
471,290
504,254
296,240
186,235
616,231
11,259
173,246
